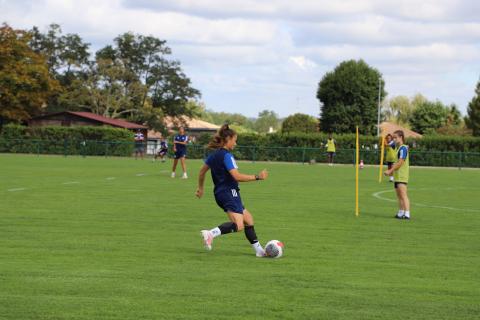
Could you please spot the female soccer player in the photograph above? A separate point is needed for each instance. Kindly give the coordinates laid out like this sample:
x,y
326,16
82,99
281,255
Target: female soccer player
x,y
400,171
163,150
390,150
180,149
330,149
225,176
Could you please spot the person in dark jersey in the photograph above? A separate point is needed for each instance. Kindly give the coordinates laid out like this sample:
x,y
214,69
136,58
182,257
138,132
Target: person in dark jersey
x,y
163,150
180,149
225,176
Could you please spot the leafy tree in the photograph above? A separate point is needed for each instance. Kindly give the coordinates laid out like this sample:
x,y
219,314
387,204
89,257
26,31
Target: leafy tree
x,y
151,85
399,110
454,117
267,119
67,58
299,122
428,117
473,112
65,54
349,97
25,83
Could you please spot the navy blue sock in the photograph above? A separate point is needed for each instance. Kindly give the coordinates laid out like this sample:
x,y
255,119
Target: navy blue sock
x,y
250,234
228,227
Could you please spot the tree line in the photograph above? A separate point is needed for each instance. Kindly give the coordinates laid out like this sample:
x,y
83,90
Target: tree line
x,y
136,78
133,78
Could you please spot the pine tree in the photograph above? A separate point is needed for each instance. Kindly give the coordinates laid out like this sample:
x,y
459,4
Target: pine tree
x,y
473,111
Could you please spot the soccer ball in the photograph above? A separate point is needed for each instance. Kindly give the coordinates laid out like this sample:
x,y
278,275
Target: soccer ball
x,y
274,249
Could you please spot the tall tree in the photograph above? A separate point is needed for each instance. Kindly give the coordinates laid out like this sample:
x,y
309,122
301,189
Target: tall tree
x,y
25,82
399,110
473,112
299,122
267,119
349,97
67,58
428,117
154,85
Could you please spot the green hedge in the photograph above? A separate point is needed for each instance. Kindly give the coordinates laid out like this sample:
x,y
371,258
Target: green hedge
x,y
347,141
66,140
105,141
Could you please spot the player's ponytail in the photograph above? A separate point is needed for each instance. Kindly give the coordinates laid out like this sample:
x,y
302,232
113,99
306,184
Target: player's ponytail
x,y
220,138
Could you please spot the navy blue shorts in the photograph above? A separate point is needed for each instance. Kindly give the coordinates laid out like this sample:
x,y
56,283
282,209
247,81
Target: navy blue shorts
x,y
229,201
180,154
163,152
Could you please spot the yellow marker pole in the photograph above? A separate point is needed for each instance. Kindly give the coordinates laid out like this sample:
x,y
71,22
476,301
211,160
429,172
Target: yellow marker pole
x,y
382,151
356,174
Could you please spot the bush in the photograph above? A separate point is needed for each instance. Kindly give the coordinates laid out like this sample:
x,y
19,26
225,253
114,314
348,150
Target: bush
x,y
66,140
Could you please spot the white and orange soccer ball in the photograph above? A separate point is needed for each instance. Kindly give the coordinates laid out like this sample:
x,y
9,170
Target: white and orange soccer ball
x,y
274,249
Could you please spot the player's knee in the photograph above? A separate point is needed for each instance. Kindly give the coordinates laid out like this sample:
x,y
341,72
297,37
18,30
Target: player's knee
x,y
240,226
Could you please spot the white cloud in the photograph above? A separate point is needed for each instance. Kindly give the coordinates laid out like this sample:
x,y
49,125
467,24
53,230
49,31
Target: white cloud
x,y
302,62
248,54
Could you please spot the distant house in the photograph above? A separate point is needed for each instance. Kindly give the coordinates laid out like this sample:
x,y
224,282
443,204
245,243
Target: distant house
x,y
70,119
194,127
390,128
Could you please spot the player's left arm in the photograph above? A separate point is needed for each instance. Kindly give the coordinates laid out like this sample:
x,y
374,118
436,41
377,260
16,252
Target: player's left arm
x,y
201,180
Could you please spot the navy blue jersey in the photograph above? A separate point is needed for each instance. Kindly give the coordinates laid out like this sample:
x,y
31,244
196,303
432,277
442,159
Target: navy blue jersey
x,y
220,163
180,138
163,145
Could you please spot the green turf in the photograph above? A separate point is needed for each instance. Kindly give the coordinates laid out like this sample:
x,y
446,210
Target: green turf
x,y
76,245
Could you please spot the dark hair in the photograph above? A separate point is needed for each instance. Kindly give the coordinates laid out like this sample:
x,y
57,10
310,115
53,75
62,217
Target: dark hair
x,y
389,135
221,136
400,134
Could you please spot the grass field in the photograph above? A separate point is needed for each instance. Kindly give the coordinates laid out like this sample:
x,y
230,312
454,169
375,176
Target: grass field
x,y
97,238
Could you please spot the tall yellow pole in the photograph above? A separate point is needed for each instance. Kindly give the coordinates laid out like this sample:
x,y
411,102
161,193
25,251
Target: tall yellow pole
x,y
382,151
356,174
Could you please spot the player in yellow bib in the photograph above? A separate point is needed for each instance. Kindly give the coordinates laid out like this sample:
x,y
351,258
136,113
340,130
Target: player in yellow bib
x,y
330,149
400,172
391,154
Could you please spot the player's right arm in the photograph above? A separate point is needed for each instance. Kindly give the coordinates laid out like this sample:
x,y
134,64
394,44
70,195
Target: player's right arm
x,y
240,177
201,180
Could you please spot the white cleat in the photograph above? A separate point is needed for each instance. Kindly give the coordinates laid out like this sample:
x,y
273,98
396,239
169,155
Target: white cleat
x,y
173,175
184,176
207,239
261,254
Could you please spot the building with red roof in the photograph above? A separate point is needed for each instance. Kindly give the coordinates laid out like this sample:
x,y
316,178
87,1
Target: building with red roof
x,y
70,118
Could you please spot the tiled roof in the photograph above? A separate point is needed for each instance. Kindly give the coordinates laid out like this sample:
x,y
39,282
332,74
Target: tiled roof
x,y
191,123
110,121
389,127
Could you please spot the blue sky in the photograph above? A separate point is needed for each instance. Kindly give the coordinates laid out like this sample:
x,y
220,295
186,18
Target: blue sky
x,y
249,55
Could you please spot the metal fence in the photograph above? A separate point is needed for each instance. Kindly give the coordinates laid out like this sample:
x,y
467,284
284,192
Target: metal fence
x,y
251,153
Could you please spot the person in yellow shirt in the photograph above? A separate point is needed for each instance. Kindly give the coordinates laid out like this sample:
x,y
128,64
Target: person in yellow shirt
x,y
401,172
331,149
391,155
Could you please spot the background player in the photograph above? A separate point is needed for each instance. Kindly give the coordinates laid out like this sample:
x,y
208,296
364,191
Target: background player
x,y
400,171
391,155
180,149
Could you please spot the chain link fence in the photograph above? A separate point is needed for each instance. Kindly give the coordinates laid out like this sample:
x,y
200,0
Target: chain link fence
x,y
250,153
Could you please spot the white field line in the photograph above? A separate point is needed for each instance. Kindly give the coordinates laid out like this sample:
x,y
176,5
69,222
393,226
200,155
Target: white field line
x,y
379,193
16,189
71,182
141,174
110,178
